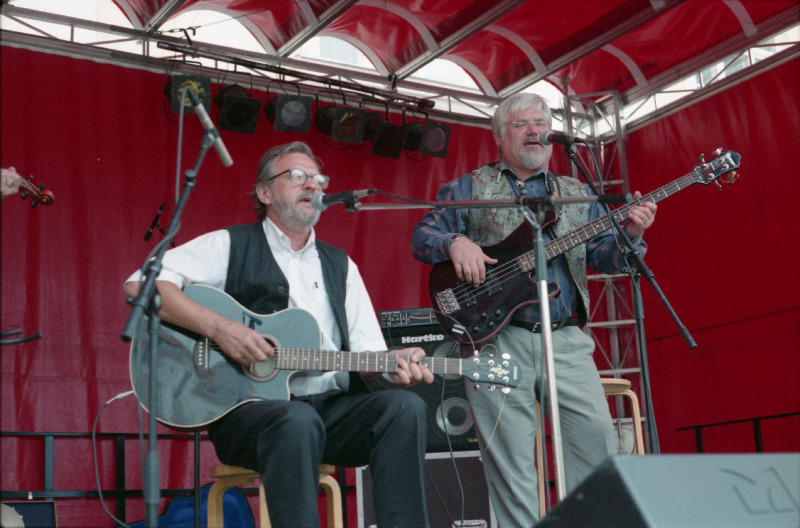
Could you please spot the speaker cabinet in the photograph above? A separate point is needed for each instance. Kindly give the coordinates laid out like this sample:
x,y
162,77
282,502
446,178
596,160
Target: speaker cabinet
x,y
701,491
450,423
445,479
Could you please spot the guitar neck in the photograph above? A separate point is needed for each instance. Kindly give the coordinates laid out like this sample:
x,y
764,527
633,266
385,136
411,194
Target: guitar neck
x,y
584,233
327,360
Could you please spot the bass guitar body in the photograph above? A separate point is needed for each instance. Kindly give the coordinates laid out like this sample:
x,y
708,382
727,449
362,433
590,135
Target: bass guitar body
x,y
472,315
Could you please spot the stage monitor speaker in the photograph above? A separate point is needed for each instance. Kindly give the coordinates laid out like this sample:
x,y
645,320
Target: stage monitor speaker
x,y
678,491
449,417
444,481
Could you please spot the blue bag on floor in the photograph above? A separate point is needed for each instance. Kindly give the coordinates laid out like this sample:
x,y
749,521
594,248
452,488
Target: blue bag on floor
x,y
180,511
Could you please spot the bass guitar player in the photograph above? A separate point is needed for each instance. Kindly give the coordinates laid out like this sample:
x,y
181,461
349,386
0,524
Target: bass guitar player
x,y
506,424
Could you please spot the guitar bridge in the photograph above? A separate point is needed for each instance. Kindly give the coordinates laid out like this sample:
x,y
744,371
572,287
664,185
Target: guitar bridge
x,y
446,301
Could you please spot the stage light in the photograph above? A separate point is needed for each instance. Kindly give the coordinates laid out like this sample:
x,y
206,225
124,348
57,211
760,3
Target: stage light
x,y
290,113
430,139
342,123
238,111
175,87
386,138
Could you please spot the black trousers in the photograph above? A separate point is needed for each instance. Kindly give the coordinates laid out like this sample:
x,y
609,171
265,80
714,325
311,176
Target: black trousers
x,y
286,441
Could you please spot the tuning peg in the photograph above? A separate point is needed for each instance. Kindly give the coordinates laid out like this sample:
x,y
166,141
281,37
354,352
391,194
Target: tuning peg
x,y
702,158
505,390
719,185
732,177
492,388
718,151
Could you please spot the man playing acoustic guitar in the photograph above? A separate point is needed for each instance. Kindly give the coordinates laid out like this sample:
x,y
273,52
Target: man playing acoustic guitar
x,y
275,264
506,424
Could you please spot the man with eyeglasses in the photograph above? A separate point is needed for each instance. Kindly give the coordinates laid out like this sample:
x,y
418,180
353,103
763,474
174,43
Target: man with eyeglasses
x,y
506,424
331,418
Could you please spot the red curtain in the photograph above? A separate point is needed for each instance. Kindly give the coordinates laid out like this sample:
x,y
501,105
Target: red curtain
x,y
729,263
103,140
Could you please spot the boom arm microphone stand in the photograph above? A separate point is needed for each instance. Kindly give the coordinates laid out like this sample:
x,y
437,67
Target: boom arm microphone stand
x,y
635,269
148,301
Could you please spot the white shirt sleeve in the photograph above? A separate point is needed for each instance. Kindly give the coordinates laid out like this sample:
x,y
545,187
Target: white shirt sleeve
x,y
202,260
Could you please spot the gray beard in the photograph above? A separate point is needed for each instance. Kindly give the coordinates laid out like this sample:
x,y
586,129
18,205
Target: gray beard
x,y
293,217
532,160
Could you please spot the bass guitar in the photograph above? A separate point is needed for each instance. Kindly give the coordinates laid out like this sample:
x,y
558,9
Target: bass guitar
x,y
197,384
472,315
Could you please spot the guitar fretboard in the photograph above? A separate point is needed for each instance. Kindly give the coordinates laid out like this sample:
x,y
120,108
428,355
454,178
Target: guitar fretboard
x,y
327,360
562,244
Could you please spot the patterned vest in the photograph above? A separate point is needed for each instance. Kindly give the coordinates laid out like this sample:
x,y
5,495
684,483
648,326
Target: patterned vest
x,y
490,226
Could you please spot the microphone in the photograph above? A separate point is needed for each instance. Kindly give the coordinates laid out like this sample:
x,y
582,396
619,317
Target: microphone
x,y
209,127
548,137
155,222
321,201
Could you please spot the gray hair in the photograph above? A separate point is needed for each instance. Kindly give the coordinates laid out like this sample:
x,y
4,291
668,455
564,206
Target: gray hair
x,y
265,170
513,104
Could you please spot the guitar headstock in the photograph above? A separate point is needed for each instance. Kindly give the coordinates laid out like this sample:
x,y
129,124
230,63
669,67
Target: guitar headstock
x,y
723,163
490,369
39,194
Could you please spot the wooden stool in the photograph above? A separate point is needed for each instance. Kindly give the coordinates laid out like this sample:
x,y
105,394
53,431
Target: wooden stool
x,y
612,387
622,387
229,476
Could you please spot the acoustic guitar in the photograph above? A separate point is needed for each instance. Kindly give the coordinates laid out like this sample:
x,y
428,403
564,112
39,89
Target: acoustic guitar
x,y
197,383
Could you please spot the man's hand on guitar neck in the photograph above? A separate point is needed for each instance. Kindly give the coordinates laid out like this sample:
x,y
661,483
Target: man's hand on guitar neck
x,y
640,217
469,260
409,372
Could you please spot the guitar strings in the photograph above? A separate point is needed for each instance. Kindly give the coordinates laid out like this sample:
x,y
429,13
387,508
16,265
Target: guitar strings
x,y
510,269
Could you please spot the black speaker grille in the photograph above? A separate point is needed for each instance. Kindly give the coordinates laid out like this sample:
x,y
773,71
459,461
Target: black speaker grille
x,y
450,423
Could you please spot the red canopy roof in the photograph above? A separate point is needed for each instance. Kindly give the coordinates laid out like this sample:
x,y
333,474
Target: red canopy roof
x,y
630,46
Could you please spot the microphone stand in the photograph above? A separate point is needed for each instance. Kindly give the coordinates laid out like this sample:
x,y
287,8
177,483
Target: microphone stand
x,y
148,301
536,206
639,268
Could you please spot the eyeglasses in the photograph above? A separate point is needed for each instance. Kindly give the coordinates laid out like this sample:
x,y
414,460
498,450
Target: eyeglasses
x,y
299,177
524,123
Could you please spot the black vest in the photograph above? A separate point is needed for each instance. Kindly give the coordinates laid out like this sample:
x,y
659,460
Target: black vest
x,y
256,281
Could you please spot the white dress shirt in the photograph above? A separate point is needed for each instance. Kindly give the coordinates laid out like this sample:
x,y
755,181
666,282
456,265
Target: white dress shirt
x,y
204,260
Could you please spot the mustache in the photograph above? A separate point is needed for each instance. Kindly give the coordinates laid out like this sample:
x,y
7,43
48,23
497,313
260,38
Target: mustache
x,y
303,196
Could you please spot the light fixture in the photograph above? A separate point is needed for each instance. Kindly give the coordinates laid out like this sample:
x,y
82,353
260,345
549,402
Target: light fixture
x,y
386,138
238,111
342,123
290,113
176,86
429,138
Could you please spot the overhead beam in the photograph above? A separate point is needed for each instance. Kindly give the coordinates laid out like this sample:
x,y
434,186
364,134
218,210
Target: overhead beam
x,y
163,14
91,52
740,42
588,48
712,89
495,12
315,26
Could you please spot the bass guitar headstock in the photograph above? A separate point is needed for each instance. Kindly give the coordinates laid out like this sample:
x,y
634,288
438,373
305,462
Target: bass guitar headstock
x,y
724,163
